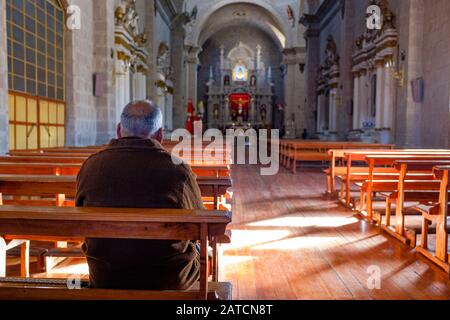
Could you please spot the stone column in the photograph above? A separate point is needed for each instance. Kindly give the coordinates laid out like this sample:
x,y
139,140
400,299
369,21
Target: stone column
x,y
364,95
80,63
140,86
192,63
333,112
210,111
408,125
295,88
4,137
226,112
151,47
179,77
104,64
169,112
320,112
356,99
312,65
388,111
379,95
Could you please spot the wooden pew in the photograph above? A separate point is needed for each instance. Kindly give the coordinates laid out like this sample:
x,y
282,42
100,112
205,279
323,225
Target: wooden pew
x,y
295,150
338,155
438,215
145,224
214,170
208,173
39,159
59,169
217,157
406,193
389,160
381,166
63,187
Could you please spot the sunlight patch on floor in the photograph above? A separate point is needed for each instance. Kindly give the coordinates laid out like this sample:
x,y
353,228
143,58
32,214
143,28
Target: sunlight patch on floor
x,y
298,243
79,268
234,260
247,238
323,222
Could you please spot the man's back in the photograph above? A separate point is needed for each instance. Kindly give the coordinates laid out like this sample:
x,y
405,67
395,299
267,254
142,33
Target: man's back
x,y
139,173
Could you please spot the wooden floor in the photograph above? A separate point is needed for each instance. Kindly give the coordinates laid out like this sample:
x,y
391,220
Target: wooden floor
x,y
291,242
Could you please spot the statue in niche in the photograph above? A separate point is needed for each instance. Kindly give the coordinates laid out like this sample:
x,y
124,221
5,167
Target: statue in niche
x,y
263,113
291,15
226,81
253,81
194,13
216,112
240,107
332,58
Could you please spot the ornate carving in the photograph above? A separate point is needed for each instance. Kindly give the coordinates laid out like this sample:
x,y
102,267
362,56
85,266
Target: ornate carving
x,y
331,53
328,73
163,61
126,16
375,44
388,15
370,36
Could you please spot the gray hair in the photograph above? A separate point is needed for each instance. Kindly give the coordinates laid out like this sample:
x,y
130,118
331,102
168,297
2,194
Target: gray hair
x,y
141,119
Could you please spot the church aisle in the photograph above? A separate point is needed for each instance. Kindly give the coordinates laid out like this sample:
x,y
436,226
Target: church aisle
x,y
291,242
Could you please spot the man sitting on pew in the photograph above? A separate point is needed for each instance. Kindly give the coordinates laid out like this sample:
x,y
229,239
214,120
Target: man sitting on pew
x,y
134,171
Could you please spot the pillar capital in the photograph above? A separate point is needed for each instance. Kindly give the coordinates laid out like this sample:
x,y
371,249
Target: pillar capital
x,y
192,53
294,55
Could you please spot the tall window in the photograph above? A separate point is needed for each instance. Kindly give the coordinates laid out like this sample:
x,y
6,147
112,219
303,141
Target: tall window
x,y
36,79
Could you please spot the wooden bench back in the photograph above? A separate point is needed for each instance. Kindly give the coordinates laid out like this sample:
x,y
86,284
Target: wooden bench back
x,y
115,223
37,185
39,159
40,168
390,159
73,169
360,155
65,186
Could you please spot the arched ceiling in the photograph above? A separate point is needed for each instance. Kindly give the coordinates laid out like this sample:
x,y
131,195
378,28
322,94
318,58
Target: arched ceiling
x,y
242,14
274,34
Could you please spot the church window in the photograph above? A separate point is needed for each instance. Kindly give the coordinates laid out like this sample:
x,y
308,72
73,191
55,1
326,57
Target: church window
x,y
36,79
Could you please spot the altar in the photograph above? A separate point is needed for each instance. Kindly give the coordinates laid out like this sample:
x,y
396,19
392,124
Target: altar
x,y
240,90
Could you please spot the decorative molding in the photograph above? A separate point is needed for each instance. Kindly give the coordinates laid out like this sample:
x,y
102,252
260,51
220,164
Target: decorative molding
x,y
376,45
329,71
167,10
129,40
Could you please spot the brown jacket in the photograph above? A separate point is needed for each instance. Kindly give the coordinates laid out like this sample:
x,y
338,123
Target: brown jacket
x,y
138,173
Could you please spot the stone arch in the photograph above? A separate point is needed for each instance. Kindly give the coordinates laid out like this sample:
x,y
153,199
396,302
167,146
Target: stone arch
x,y
264,4
254,24
241,46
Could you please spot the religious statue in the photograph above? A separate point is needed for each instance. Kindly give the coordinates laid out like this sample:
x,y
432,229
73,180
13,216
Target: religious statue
x,y
216,112
226,81
332,57
263,113
253,81
291,15
201,109
240,107
240,73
